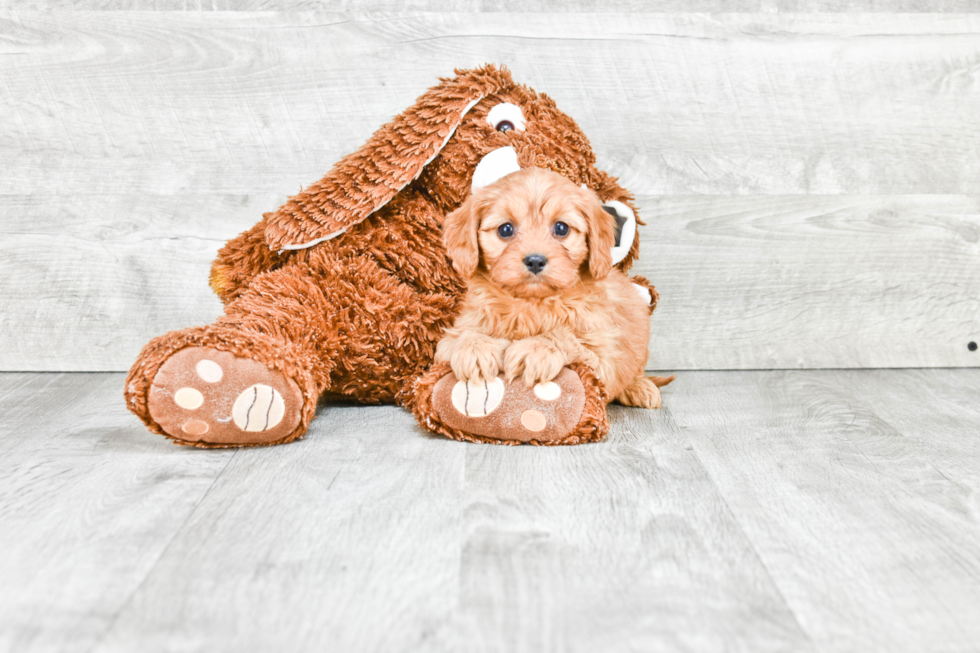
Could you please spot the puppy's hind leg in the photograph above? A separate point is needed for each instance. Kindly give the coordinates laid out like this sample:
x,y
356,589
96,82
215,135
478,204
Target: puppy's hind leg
x,y
643,392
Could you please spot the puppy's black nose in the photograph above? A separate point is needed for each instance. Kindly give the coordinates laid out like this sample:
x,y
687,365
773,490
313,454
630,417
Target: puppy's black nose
x,y
535,262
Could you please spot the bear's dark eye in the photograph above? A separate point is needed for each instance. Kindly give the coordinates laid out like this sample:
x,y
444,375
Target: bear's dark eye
x,y
505,230
506,117
561,229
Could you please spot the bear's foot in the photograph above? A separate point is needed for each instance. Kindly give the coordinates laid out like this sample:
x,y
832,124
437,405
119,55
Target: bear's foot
x,y
205,397
568,410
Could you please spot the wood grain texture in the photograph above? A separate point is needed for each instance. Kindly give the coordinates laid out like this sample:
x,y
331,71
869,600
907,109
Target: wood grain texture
x,y
675,103
348,541
808,282
623,546
88,504
135,143
745,282
859,491
522,6
818,510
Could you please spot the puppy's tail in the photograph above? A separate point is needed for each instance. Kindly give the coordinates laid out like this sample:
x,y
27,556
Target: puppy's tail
x,y
661,381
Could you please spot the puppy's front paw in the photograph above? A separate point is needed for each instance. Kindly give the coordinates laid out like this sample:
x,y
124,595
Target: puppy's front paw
x,y
537,360
473,356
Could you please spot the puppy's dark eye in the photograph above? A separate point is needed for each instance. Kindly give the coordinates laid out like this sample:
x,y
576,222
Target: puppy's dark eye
x,y
505,126
505,230
561,229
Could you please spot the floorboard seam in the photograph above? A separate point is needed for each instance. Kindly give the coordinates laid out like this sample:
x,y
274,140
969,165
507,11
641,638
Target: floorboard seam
x,y
870,409
741,529
163,552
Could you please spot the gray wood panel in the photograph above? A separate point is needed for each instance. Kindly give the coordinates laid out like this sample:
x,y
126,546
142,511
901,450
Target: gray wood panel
x,y
88,504
626,546
398,541
827,510
135,143
805,281
675,103
599,6
745,282
859,491
348,541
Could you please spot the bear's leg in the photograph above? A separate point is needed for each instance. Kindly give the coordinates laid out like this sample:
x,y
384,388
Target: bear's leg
x,y
251,378
330,323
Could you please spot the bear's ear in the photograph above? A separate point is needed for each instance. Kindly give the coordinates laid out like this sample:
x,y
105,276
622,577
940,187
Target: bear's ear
x,y
364,181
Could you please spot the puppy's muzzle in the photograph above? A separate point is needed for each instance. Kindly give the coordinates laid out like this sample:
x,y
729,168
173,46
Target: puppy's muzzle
x,y
535,262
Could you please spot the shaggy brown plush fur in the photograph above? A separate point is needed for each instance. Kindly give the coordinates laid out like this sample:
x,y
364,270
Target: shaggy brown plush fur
x,y
347,288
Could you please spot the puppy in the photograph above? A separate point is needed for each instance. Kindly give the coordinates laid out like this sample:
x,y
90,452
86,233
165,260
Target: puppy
x,y
542,292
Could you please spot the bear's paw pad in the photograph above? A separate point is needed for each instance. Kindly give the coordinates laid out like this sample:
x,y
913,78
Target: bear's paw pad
x,y
205,396
511,411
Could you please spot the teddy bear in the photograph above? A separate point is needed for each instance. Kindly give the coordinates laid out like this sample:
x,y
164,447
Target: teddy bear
x,y
346,289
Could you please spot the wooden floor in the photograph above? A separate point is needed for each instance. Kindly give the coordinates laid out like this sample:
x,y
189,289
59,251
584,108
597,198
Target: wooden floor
x,y
759,511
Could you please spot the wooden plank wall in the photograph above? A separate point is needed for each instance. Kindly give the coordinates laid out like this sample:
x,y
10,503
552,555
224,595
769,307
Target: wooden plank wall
x,y
811,180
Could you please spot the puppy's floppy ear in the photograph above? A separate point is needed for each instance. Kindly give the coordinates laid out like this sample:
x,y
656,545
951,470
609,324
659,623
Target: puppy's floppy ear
x,y
460,234
601,235
364,181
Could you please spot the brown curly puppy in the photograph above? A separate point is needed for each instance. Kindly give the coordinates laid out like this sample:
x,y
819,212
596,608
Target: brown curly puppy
x,y
542,292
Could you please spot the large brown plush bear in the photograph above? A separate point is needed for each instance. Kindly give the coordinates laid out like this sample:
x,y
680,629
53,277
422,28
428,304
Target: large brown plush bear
x,y
346,289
